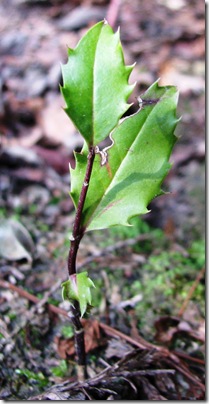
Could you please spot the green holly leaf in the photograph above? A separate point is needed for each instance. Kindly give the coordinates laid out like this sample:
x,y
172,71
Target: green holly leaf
x,y
136,164
95,83
78,288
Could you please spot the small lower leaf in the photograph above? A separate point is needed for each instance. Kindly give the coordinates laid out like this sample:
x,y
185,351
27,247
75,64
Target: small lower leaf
x,y
78,288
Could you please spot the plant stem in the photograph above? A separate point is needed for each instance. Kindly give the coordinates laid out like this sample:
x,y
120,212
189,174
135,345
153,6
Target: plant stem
x,y
78,231
77,234
80,352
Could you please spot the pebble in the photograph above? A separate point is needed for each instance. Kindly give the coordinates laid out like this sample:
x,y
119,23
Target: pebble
x,y
18,156
13,44
36,81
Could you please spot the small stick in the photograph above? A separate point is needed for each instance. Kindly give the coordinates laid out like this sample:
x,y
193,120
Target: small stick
x,y
112,12
191,291
112,332
31,298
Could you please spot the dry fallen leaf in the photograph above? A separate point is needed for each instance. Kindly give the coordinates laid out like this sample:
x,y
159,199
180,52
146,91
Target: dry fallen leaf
x,y
57,127
15,241
92,335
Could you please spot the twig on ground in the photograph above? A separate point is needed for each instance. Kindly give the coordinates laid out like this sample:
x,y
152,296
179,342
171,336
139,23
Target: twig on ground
x,y
114,247
171,357
191,291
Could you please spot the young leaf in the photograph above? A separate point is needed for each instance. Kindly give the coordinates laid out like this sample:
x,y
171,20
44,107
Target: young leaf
x,y
137,163
96,86
78,288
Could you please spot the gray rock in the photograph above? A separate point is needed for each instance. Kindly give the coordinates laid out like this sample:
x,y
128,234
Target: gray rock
x,y
13,44
36,81
15,156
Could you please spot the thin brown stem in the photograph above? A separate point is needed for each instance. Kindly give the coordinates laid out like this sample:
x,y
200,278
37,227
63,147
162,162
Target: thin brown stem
x,y
80,352
77,234
78,231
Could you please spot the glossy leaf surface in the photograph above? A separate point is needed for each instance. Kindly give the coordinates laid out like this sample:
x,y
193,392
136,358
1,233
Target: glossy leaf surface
x,y
138,161
95,83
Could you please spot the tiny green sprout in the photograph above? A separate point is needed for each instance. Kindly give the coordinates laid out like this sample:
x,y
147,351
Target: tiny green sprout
x,y
78,287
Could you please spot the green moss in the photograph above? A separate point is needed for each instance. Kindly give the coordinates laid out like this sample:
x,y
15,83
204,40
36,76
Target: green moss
x,y
163,281
32,209
55,200
30,376
67,331
138,226
12,316
52,300
166,280
43,227
197,252
61,370
152,237
3,213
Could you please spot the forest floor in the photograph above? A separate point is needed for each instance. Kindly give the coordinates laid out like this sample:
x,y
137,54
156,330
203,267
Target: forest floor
x,y
145,334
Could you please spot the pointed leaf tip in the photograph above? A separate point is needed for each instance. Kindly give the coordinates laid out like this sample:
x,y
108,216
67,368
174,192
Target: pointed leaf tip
x,y
95,104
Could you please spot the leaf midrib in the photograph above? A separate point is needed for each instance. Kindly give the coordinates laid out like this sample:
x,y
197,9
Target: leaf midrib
x,y
94,87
